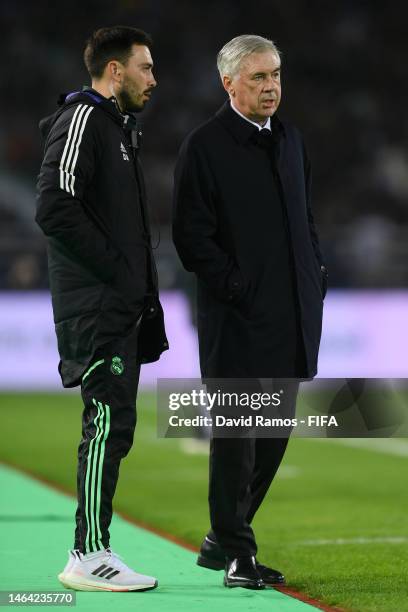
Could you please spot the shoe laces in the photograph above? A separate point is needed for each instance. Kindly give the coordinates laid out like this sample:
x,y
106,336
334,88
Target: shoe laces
x,y
115,560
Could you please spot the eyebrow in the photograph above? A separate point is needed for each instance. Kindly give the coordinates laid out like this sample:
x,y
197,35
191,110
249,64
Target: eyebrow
x,y
146,65
265,71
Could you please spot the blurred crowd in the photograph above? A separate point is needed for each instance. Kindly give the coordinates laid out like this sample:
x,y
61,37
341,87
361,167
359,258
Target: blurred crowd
x,y
344,78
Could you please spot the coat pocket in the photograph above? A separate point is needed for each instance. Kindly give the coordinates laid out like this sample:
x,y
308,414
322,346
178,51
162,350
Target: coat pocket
x,y
240,299
77,302
130,279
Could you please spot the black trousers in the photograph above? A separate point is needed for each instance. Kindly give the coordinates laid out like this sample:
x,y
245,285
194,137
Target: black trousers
x,y
109,389
241,472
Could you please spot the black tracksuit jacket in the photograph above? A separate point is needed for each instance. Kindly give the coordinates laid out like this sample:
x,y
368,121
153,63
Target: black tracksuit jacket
x,y
91,205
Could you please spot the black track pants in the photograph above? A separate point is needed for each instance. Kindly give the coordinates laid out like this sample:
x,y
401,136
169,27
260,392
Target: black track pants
x,y
108,389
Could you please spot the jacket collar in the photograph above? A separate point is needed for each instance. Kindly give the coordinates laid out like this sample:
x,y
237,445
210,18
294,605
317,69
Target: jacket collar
x,y
109,105
242,130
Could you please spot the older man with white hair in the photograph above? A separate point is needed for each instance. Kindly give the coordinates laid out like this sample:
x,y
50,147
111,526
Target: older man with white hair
x,y
243,224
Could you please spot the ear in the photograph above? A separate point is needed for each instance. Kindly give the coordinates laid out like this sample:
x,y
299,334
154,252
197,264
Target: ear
x,y
227,84
114,70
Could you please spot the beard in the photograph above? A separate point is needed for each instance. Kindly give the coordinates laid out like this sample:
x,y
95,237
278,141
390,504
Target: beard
x,y
130,97
128,104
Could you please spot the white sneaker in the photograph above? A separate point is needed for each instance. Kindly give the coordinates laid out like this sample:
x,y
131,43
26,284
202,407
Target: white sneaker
x,y
103,571
73,555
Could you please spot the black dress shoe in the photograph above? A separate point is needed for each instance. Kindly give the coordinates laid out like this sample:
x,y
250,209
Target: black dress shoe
x,y
270,576
242,572
212,557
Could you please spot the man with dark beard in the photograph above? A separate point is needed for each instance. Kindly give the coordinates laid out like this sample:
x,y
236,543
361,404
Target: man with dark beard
x,y
108,318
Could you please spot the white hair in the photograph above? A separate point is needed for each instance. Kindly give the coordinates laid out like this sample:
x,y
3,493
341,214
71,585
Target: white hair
x,y
233,52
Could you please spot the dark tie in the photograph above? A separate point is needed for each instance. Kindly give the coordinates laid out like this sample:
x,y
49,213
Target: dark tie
x,y
264,138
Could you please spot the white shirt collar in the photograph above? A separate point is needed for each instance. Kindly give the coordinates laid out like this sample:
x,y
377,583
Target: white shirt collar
x,y
267,125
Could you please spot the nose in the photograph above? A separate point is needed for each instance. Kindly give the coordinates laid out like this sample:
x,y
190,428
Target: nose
x,y
153,82
270,83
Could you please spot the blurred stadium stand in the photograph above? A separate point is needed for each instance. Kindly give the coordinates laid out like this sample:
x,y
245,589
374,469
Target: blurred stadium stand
x,y
344,76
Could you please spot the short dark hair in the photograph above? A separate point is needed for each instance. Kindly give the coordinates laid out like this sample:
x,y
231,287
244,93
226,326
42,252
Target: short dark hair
x,y
113,43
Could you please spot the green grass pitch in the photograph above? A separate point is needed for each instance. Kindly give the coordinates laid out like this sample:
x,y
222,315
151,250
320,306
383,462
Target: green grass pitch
x,y
335,519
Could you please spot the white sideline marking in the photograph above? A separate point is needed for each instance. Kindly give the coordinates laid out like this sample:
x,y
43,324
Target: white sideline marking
x,y
288,471
387,446
192,446
342,541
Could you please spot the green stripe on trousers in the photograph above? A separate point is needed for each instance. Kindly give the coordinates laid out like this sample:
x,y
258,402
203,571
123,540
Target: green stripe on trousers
x,y
93,485
95,365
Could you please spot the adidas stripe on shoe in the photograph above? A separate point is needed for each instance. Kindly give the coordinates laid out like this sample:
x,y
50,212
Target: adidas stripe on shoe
x,y
104,571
